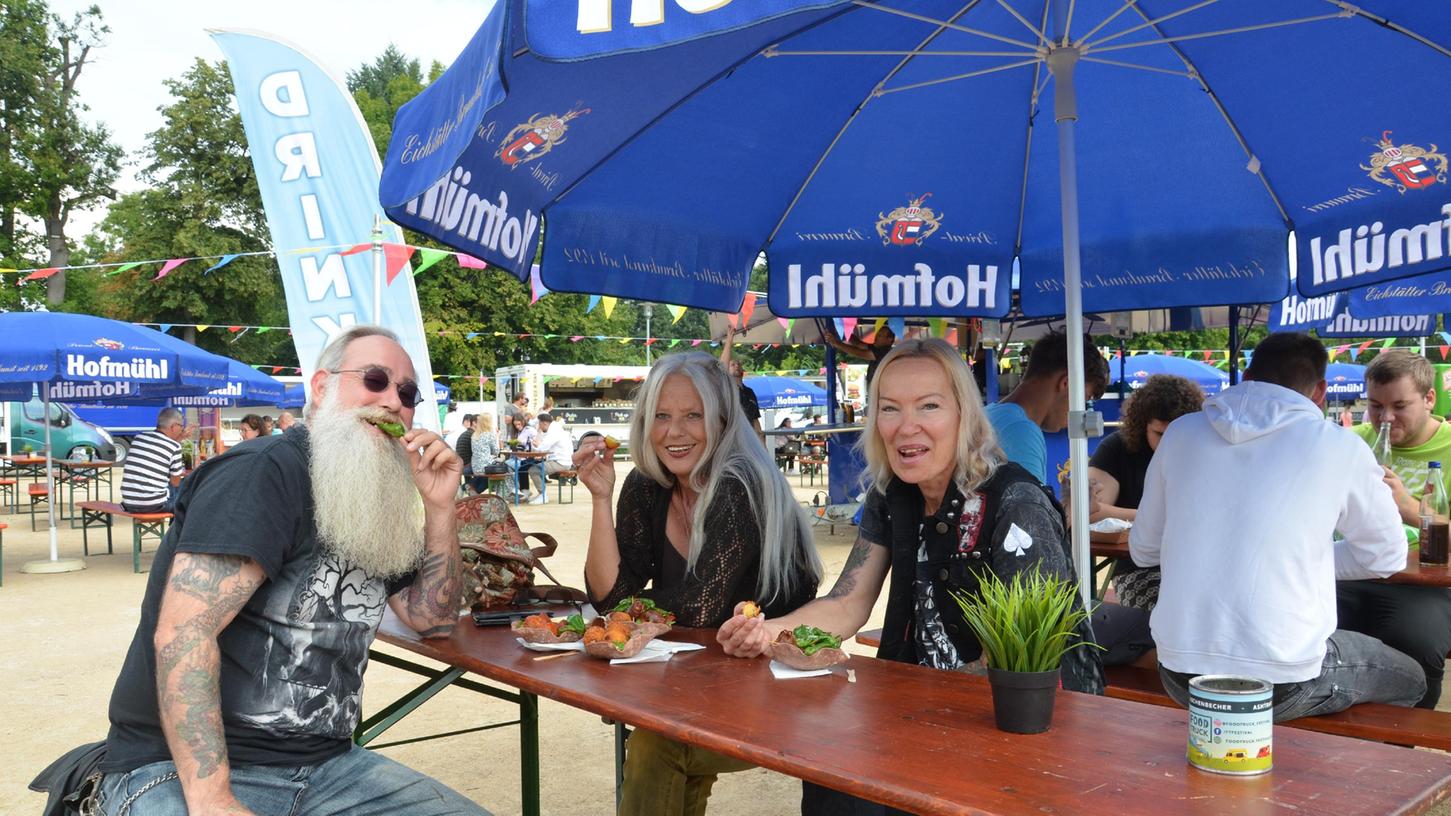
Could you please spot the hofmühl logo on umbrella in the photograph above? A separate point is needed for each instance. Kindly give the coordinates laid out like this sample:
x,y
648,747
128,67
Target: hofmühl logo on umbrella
x,y
909,225
109,344
144,370
1407,163
532,139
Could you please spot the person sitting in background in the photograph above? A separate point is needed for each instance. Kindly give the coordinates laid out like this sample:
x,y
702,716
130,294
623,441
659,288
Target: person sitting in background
x,y
705,521
463,446
285,421
1253,593
785,447
268,426
483,451
1039,404
553,440
153,469
1413,619
939,490
1116,471
250,426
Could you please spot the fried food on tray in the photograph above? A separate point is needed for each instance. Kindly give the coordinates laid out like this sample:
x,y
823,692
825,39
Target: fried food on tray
x,y
643,610
618,617
594,634
618,633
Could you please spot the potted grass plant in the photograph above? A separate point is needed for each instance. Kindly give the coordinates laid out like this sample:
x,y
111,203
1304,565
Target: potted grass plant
x,y
1025,626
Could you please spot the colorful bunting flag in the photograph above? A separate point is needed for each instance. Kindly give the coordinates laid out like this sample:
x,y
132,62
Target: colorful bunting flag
x,y
168,266
747,307
676,312
594,300
469,261
226,259
428,257
356,248
608,304
41,274
125,267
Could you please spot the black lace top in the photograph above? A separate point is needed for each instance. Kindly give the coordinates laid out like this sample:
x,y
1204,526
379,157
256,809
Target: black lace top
x,y
726,572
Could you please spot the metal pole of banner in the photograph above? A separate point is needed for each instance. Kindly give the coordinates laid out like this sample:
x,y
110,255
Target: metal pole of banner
x,y
377,270
1234,345
55,563
1081,423
649,313
830,385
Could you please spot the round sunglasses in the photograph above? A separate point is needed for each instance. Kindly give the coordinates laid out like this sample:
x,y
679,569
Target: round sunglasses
x,y
377,379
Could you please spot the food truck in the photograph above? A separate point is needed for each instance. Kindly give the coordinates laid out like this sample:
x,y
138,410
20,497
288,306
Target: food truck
x,y
586,397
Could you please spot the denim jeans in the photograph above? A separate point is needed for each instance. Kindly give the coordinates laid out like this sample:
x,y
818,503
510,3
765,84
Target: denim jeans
x,y
668,778
1411,619
355,783
1356,669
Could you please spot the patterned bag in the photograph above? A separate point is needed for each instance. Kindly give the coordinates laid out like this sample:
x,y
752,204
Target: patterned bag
x,y
498,564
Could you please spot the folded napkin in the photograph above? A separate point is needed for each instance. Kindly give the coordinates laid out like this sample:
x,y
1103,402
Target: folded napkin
x,y
781,671
658,651
577,646
1110,525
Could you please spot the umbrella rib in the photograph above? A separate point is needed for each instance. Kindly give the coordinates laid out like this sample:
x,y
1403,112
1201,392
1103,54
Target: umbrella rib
x,y
1037,32
1085,45
786,213
1378,20
955,77
1222,32
1040,84
1128,4
942,24
1254,164
1136,66
772,52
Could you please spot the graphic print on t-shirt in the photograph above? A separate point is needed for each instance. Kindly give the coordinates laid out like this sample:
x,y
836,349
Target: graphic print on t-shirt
x,y
311,673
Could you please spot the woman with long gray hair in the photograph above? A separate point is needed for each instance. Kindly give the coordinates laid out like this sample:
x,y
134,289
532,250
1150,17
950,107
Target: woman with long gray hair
x,y
705,521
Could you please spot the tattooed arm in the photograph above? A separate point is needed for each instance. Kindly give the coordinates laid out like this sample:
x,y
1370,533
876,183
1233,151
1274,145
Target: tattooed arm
x,y
203,594
430,605
842,611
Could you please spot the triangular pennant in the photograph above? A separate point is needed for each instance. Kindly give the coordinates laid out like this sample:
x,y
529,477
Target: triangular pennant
x,y
650,341
234,329
165,327
694,343
428,257
263,329
356,248
848,325
676,312
1444,349
747,307
41,274
226,259
168,266
1388,342
608,304
537,289
952,336
785,324
469,261
899,326
125,267
790,323
395,257
576,338
675,342
201,327
276,369
594,300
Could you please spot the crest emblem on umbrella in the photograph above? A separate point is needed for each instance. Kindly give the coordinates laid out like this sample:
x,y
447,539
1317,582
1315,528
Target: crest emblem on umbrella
x,y
909,225
1407,163
113,345
532,139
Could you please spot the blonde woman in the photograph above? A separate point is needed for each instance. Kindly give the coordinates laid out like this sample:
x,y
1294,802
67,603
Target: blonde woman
x,y
705,521
484,451
943,505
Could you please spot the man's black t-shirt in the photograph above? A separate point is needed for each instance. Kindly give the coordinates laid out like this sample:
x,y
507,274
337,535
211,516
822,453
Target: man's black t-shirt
x,y
749,405
1113,457
292,660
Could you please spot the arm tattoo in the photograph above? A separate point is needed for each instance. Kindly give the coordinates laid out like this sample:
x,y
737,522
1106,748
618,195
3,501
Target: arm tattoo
x,y
847,581
188,666
434,595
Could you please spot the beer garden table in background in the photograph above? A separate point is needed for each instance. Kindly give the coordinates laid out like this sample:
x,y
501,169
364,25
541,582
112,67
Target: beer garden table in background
x,y
924,740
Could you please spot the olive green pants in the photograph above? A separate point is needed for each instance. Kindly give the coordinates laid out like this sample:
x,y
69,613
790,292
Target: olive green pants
x,y
668,778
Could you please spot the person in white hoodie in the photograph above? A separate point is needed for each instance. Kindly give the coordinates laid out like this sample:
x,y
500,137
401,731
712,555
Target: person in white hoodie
x,y
1239,509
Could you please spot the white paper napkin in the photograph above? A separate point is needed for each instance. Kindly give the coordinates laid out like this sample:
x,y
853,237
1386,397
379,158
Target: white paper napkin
x,y
576,646
1110,525
781,671
658,651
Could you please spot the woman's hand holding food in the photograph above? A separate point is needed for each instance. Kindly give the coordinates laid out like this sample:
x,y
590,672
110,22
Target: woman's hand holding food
x,y
746,633
595,462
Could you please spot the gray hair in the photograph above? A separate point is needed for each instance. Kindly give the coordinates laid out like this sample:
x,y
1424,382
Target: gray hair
x,y
331,358
731,451
167,417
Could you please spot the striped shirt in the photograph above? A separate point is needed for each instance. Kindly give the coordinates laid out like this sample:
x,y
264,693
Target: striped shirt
x,y
153,460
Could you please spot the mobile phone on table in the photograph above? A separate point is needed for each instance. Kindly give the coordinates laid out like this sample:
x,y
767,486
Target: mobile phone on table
x,y
497,617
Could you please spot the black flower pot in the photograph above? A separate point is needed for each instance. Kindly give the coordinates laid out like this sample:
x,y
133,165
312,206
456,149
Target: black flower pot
x,y
1023,701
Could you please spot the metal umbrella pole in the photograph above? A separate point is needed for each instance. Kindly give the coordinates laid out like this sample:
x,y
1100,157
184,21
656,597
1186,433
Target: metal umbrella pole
x,y
55,563
377,319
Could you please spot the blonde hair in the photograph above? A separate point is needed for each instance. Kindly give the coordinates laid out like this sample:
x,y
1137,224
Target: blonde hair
x,y
731,451
486,422
977,454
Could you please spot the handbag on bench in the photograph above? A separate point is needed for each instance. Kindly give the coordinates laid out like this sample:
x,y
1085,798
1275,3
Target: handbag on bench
x,y
499,564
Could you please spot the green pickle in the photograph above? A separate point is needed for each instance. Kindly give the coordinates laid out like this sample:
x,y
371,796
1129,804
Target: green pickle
x,y
393,429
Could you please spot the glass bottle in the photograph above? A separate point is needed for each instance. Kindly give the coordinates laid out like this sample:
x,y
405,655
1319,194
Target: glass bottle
x,y
1435,517
1382,446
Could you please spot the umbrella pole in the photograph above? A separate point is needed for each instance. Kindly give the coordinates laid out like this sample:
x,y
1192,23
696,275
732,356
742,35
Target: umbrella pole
x,y
377,271
55,563
1061,62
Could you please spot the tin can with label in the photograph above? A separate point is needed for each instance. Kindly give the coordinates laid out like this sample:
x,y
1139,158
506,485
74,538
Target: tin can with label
x,y
1231,724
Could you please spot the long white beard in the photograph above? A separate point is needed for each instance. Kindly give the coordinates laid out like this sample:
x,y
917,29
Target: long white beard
x,y
367,509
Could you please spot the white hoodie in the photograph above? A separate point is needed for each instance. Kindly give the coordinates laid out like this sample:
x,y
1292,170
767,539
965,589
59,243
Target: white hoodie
x,y
1239,507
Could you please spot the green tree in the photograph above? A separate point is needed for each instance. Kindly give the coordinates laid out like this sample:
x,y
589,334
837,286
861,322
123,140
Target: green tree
x,y
381,87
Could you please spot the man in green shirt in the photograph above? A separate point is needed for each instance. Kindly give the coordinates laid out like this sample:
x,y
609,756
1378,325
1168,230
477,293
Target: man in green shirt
x,y
1414,619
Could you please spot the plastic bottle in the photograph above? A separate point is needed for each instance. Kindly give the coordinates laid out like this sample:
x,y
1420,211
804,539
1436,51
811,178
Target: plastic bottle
x,y
1382,446
1435,517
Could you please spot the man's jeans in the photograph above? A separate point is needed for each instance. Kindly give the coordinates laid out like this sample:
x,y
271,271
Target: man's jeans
x,y
356,782
1357,669
167,506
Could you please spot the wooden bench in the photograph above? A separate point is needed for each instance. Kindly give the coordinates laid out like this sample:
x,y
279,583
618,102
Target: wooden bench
x,y
10,495
808,468
562,478
499,486
102,513
1371,721
3,525
38,493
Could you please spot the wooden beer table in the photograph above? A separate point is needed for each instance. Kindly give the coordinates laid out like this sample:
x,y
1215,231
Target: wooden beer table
x,y
924,741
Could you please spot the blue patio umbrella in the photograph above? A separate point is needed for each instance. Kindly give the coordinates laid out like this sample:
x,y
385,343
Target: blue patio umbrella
x,y
295,396
1137,369
786,392
109,359
899,157
1344,381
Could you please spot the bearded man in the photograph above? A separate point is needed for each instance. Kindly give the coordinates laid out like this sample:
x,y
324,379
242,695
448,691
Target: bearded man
x,y
243,685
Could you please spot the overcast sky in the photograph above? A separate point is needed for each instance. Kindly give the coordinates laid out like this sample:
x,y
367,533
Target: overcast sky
x,y
154,40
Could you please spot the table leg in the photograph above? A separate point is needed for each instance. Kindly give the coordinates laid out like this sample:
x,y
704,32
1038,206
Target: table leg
x,y
621,734
529,752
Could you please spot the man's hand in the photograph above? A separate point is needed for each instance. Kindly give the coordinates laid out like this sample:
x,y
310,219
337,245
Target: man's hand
x,y
437,470
1408,505
746,637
